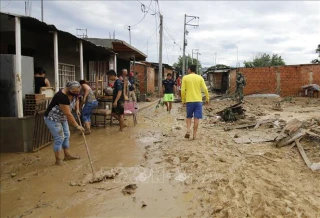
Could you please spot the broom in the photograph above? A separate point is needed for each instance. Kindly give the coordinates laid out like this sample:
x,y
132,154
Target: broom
x,y
87,148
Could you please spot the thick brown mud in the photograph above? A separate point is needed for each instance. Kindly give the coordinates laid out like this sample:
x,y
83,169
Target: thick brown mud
x,y
161,174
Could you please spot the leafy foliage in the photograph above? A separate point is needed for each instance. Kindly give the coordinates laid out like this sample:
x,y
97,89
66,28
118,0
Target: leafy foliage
x,y
179,63
317,61
265,60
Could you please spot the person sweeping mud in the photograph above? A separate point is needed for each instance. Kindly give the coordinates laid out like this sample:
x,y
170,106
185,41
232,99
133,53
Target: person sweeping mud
x,y
191,95
168,90
57,116
118,99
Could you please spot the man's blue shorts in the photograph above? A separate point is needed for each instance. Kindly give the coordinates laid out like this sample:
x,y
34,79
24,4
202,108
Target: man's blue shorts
x,y
194,109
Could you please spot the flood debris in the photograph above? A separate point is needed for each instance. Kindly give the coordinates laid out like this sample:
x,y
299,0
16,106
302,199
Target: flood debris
x,y
98,176
280,130
232,113
277,106
244,126
143,204
312,166
129,189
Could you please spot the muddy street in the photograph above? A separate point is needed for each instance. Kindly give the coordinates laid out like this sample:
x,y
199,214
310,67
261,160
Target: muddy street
x,y
161,174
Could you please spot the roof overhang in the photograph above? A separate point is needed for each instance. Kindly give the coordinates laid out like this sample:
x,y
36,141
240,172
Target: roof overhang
x,y
123,49
219,71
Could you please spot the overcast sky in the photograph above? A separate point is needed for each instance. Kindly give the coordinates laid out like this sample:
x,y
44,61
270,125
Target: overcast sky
x,y
288,28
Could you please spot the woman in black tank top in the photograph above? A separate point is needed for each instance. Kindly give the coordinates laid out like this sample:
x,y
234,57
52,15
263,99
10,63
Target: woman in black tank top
x,y
40,80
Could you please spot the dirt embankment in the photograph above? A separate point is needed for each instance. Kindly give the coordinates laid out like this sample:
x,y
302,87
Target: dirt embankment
x,y
228,179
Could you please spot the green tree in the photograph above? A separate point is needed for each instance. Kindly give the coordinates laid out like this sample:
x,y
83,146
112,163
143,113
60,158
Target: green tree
x,y
179,63
265,60
317,61
219,66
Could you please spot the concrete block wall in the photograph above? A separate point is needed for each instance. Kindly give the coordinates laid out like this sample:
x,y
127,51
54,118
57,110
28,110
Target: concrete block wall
x,y
282,80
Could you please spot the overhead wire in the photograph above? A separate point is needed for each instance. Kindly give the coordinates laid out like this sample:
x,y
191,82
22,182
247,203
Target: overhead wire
x,y
172,38
149,38
165,44
3,7
145,12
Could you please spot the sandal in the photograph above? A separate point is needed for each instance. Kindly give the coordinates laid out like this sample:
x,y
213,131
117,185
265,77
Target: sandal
x,y
71,158
187,135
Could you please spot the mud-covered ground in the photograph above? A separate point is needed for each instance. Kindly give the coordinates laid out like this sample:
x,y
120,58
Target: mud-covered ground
x,y
169,176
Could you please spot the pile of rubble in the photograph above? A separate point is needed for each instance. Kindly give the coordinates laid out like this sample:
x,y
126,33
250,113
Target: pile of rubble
x,y
249,129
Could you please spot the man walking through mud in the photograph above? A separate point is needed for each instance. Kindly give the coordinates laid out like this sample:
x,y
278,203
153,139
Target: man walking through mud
x,y
168,90
191,95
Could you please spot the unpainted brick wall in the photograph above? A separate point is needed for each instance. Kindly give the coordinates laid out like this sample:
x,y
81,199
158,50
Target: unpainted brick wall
x,y
150,79
282,80
141,70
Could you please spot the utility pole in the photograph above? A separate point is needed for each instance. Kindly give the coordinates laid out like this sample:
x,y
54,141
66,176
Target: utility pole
x,y
197,52
237,58
42,10
198,62
184,46
215,63
193,53
186,23
147,49
129,28
160,57
82,33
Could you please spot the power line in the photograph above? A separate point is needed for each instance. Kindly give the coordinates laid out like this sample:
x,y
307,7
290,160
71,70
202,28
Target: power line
x,y
5,5
150,38
142,5
174,41
165,44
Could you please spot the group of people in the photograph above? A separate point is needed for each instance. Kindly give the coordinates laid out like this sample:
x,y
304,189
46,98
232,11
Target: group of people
x,y
59,115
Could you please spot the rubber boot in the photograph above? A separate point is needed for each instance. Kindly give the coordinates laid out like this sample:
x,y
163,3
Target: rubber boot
x,y
59,162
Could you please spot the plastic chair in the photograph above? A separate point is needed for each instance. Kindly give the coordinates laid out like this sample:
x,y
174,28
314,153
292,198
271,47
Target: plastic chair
x,y
130,109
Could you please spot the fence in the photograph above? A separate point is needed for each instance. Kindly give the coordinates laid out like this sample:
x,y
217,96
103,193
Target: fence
x,y
42,136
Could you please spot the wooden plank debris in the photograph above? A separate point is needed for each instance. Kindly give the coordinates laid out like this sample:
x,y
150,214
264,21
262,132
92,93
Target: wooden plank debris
x,y
264,122
291,138
303,154
228,128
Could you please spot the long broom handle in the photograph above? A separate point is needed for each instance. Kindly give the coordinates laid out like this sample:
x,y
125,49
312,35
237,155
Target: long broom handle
x,y
86,145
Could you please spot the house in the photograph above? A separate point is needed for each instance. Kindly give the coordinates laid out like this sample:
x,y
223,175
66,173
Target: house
x,y
64,56
219,79
27,43
126,54
166,68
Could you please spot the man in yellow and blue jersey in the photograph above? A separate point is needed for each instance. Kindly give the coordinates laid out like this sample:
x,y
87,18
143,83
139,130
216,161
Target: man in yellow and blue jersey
x,y
191,95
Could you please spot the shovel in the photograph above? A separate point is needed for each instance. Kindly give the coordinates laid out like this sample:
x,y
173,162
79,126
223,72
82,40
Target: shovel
x,y
86,145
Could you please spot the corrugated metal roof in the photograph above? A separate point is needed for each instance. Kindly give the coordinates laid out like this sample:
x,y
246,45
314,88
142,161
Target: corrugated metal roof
x,y
219,71
35,25
117,45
